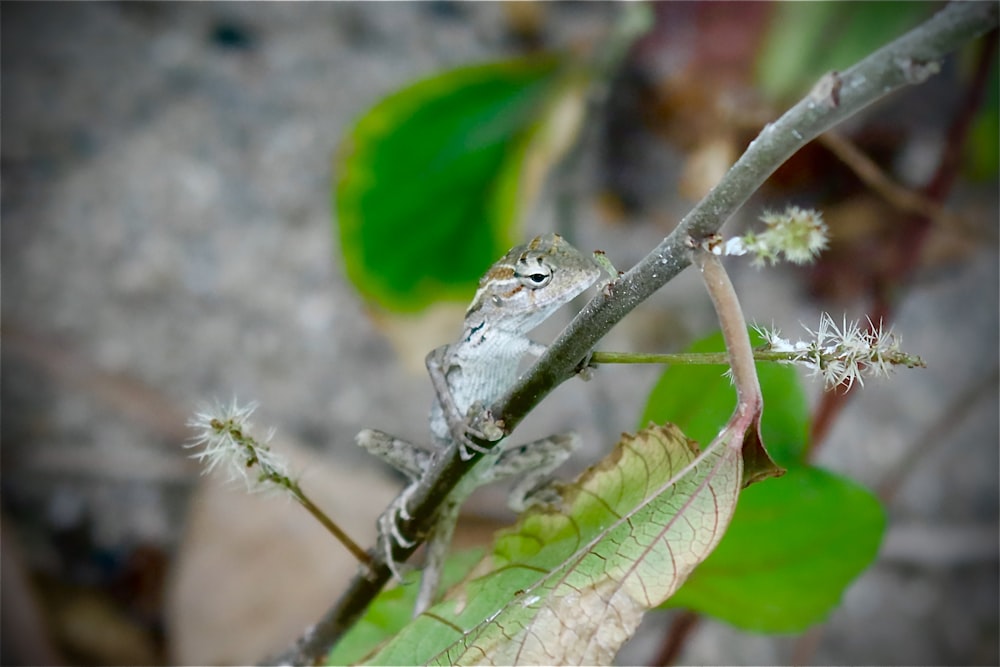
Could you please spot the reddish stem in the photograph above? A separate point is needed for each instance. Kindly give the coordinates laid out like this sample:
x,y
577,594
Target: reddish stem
x,y
681,628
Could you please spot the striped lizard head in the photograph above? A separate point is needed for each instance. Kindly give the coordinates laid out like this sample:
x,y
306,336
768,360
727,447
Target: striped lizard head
x,y
531,282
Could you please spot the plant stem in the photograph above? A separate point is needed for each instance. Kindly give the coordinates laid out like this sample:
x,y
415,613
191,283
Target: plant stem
x,y
734,329
300,496
722,358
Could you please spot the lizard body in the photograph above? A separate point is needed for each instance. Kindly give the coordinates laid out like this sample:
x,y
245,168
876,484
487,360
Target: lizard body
x,y
516,294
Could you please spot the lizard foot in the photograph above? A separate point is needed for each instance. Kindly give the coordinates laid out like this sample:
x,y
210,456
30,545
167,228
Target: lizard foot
x,y
387,545
479,424
388,527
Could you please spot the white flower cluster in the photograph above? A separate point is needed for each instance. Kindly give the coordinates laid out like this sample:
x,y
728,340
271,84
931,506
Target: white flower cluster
x,y
843,354
798,235
224,432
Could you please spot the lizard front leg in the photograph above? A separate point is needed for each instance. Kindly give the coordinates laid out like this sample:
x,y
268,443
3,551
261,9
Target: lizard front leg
x,y
413,462
459,425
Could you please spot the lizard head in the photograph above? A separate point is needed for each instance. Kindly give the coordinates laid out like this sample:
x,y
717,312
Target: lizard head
x,y
531,282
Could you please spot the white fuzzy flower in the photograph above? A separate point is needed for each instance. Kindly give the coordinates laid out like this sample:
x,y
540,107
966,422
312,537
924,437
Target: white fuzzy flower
x,y
224,433
845,353
798,235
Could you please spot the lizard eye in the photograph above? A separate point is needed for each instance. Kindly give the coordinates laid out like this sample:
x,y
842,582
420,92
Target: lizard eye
x,y
535,277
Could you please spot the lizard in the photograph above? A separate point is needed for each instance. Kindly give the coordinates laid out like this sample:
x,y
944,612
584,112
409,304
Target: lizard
x,y
514,296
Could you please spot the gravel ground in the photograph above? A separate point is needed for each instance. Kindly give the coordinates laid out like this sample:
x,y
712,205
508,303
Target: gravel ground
x,y
167,239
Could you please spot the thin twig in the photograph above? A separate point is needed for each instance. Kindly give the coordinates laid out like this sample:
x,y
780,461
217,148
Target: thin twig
x,y
681,627
363,556
899,196
685,358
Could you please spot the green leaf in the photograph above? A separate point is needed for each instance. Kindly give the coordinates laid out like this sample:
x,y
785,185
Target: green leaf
x,y
569,587
809,39
795,542
700,399
393,609
430,180
793,547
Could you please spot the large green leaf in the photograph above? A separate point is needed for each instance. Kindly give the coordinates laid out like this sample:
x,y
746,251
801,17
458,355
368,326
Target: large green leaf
x,y
700,399
429,181
794,545
570,586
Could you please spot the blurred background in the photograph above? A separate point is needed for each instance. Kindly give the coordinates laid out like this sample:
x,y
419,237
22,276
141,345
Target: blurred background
x,y
167,241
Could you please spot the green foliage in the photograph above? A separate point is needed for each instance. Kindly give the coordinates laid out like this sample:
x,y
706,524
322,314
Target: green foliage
x,y
809,39
429,181
630,534
796,542
631,529
393,609
794,546
700,399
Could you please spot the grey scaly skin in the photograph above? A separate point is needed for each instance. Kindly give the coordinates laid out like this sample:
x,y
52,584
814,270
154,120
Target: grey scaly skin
x,y
516,294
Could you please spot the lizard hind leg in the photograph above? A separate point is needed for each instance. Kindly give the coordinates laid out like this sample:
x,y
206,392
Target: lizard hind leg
x,y
535,461
413,462
389,533
404,456
386,537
